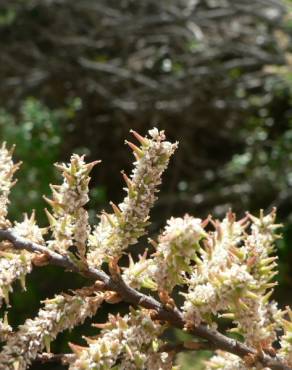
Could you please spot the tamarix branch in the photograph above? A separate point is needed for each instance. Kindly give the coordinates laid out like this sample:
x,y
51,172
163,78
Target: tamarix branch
x,y
219,269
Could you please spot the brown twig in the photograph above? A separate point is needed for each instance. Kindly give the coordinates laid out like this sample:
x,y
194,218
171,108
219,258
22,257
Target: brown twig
x,y
170,315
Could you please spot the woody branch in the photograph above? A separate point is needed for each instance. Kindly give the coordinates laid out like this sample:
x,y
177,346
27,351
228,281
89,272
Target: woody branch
x,y
173,316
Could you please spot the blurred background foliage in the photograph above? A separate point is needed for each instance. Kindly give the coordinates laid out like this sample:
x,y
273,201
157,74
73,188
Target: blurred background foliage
x,y
76,76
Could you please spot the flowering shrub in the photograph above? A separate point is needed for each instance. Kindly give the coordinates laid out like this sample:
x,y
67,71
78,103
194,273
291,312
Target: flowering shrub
x,y
222,269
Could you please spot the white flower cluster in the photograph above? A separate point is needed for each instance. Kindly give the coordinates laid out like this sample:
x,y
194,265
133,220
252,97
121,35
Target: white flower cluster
x,y
29,230
16,265
286,340
130,340
13,266
176,249
233,276
7,169
60,313
257,318
226,361
138,274
69,221
117,231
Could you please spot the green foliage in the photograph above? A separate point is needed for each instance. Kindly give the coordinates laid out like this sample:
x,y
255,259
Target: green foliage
x,y
7,16
36,132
